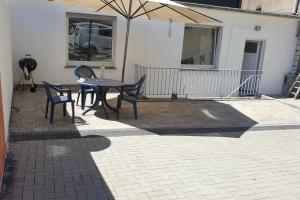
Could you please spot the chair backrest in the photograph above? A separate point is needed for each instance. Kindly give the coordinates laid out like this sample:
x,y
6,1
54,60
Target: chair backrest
x,y
136,87
47,89
83,71
48,86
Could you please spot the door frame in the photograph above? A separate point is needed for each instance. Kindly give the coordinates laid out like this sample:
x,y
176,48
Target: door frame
x,y
261,47
260,52
3,143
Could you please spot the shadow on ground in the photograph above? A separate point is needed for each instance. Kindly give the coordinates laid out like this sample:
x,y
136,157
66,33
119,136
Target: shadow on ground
x,y
58,169
187,118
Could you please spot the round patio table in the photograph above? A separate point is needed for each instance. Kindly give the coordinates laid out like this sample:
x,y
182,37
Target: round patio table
x,y
101,87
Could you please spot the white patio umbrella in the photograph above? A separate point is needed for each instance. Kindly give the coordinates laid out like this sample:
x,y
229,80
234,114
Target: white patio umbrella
x,y
148,9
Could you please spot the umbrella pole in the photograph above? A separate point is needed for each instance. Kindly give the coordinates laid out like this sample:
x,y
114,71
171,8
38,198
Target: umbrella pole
x,y
126,46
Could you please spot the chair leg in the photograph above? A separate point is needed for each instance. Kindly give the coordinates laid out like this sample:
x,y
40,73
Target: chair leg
x,y
78,96
47,106
135,110
52,112
118,107
73,113
83,96
65,109
92,97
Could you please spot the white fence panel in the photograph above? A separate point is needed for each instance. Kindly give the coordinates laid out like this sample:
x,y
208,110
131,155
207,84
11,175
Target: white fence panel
x,y
163,82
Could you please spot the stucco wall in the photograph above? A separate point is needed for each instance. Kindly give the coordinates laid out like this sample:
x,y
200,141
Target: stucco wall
x,y
5,62
270,5
278,34
39,28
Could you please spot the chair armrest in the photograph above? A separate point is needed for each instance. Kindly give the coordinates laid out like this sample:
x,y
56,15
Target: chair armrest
x,y
129,88
57,87
60,88
129,85
68,91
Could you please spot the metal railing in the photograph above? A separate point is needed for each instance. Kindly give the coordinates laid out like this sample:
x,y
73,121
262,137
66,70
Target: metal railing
x,y
193,82
249,84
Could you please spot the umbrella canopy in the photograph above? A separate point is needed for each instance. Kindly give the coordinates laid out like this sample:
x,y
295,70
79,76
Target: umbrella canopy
x,y
149,9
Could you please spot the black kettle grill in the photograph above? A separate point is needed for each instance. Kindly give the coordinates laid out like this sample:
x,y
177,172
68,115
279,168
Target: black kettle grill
x,y
27,65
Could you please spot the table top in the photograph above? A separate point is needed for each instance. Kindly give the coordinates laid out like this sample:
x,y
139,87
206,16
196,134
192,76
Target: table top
x,y
101,82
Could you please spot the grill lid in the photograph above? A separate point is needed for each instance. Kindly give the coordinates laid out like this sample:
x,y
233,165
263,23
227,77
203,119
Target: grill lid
x,y
28,63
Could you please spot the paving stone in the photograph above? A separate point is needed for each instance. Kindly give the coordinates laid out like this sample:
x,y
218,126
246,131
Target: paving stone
x,y
259,163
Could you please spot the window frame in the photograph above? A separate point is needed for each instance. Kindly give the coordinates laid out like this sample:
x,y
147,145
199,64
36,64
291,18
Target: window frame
x,y
96,64
216,51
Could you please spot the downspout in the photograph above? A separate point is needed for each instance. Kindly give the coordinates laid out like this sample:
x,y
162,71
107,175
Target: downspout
x,y
240,3
296,7
298,38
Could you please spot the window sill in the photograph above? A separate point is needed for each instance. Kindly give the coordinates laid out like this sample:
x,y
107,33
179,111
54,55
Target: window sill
x,y
93,67
198,68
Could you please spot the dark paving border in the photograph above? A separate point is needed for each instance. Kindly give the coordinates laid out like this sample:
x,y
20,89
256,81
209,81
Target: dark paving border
x,y
46,135
233,132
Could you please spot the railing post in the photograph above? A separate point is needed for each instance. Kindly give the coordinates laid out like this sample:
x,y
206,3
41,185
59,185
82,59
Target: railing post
x,y
258,95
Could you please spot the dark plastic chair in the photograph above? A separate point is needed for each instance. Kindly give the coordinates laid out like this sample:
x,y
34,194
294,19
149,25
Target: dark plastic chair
x,y
83,71
58,99
130,93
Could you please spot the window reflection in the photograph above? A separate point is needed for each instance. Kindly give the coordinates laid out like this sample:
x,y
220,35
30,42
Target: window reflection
x,y
199,46
90,39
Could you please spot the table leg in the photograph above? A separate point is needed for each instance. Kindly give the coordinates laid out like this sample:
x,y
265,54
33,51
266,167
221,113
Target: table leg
x,y
100,95
106,103
82,99
97,101
104,92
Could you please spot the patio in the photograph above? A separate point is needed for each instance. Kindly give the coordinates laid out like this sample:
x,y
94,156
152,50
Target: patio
x,y
252,151
234,149
177,117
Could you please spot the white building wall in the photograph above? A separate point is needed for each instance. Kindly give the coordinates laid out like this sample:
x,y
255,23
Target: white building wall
x,y
39,28
281,6
6,75
278,34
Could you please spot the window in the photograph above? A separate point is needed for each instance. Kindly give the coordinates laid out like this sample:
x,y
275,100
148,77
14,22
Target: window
x,y
199,46
90,39
251,47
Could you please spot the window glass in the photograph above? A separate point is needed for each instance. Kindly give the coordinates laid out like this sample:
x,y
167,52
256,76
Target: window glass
x,y
199,46
251,47
90,39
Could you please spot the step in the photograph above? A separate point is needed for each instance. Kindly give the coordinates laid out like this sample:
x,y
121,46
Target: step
x,y
295,88
293,93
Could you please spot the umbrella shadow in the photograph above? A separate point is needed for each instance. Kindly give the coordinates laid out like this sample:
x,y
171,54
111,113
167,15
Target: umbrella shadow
x,y
70,163
184,118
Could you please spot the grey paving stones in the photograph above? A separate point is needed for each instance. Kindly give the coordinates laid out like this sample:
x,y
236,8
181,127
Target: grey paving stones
x,y
262,162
